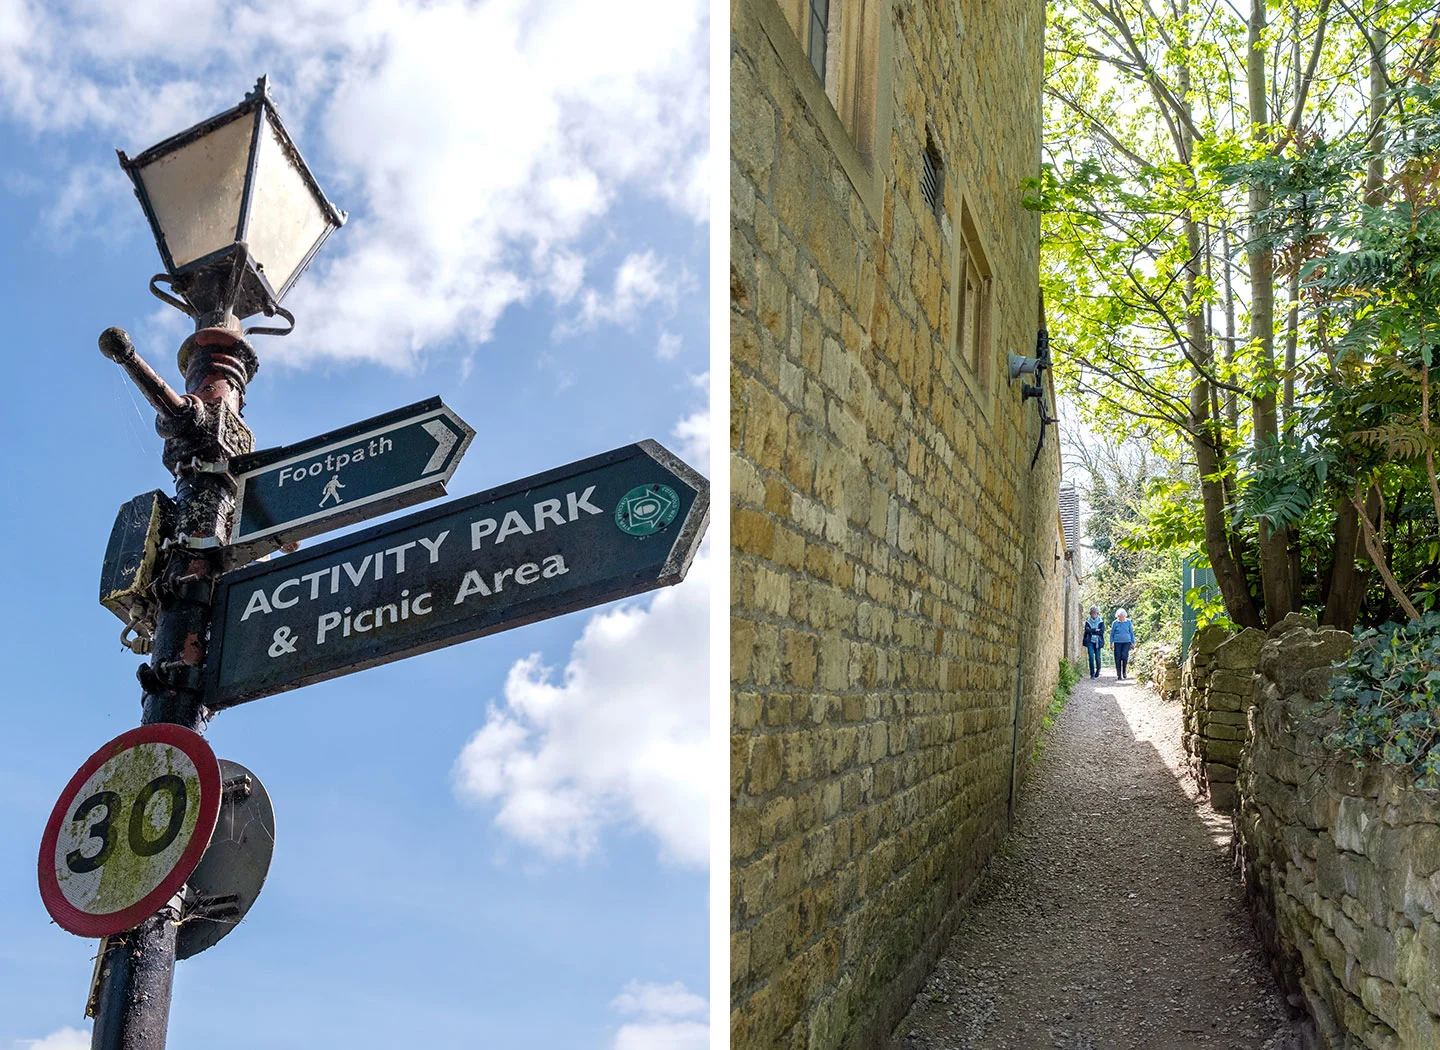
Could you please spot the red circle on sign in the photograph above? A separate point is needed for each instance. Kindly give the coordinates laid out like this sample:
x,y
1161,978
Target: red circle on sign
x,y
92,924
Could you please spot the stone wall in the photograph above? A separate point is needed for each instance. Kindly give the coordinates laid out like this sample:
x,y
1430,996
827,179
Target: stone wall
x,y
1215,693
897,619
1158,666
1342,867
1195,689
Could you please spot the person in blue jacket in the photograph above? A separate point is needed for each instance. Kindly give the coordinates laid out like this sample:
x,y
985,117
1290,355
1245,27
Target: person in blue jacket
x,y
1122,637
1093,639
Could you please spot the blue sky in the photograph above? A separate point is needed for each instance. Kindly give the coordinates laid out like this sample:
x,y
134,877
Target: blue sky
x,y
501,843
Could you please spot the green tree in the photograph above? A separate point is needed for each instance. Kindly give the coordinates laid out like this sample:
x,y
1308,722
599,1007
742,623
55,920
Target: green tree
x,y
1174,133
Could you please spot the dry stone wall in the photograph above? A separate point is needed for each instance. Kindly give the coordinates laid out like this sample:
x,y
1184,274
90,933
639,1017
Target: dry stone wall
x,y
1159,668
897,616
1216,701
1195,690
1342,866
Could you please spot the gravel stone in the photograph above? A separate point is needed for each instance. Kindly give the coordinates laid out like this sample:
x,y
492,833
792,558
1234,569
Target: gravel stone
x,y
1111,918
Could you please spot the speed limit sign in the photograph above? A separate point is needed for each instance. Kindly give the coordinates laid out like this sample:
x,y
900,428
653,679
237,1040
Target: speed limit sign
x,y
129,829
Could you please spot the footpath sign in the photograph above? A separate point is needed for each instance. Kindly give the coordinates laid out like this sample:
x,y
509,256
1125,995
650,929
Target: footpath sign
x,y
360,471
603,528
128,829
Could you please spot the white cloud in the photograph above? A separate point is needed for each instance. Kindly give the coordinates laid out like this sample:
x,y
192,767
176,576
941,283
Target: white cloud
x,y
668,347
89,203
63,1039
663,1035
692,434
567,274
477,145
640,280
619,737
667,1000
664,1015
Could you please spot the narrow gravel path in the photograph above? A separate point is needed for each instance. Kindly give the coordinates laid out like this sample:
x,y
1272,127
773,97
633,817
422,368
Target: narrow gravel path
x,y
1111,918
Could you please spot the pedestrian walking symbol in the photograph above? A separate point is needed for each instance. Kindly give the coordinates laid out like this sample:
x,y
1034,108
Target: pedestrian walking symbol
x,y
332,491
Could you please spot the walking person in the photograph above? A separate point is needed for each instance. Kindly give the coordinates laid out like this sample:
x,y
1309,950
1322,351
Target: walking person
x,y
1122,637
1093,639
332,491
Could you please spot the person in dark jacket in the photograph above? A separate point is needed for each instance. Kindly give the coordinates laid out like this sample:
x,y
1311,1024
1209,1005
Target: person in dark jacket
x,y
1093,639
1122,638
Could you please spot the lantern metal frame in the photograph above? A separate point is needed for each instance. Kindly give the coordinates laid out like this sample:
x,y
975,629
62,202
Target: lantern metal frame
x,y
227,284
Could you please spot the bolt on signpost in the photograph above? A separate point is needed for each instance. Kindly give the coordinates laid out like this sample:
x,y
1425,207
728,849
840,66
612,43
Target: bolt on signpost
x,y
155,845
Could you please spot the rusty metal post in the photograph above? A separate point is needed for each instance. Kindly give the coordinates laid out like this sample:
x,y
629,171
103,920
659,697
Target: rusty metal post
x,y
202,431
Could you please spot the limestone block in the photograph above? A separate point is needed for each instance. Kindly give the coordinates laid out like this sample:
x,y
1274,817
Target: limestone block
x,y
1347,931
1223,797
1277,797
1216,772
1277,762
1382,999
1315,683
1335,872
1378,953
1380,1037
1423,849
1351,823
1220,731
1293,621
1206,641
1421,964
1286,657
1227,701
1412,895
1229,718
1240,652
1311,748
1416,1026
1331,950
1271,719
1405,803
1315,805
1227,751
1301,844
1371,889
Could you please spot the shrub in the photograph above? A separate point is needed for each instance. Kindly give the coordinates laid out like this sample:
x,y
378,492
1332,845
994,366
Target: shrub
x,y
1070,672
1388,698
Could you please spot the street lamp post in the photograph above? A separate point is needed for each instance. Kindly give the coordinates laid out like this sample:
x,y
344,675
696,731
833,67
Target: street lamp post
x,y
237,216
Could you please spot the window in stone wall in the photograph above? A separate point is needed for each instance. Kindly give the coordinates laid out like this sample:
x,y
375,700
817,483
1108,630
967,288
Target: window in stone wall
x,y
974,293
817,37
841,40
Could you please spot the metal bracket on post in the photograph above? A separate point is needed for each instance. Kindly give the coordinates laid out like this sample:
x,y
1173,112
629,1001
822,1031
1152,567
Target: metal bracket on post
x,y
170,676
140,644
92,1001
237,787
220,906
196,465
193,543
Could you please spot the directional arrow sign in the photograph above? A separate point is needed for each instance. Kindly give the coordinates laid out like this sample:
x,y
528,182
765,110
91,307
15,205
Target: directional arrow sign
x,y
357,472
604,528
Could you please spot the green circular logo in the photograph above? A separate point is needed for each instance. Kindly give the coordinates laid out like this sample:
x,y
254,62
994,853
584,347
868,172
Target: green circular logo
x,y
646,510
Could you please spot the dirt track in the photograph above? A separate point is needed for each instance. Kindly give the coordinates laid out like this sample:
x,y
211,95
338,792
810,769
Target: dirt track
x,y
1111,919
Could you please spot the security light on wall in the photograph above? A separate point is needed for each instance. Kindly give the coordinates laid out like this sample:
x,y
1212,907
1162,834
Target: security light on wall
x,y
1023,366
236,213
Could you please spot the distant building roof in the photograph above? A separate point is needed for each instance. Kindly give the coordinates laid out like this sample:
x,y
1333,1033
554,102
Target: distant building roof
x,y
1070,515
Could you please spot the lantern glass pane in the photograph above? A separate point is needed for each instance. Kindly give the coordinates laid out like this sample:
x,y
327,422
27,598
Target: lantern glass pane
x,y
285,218
195,191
